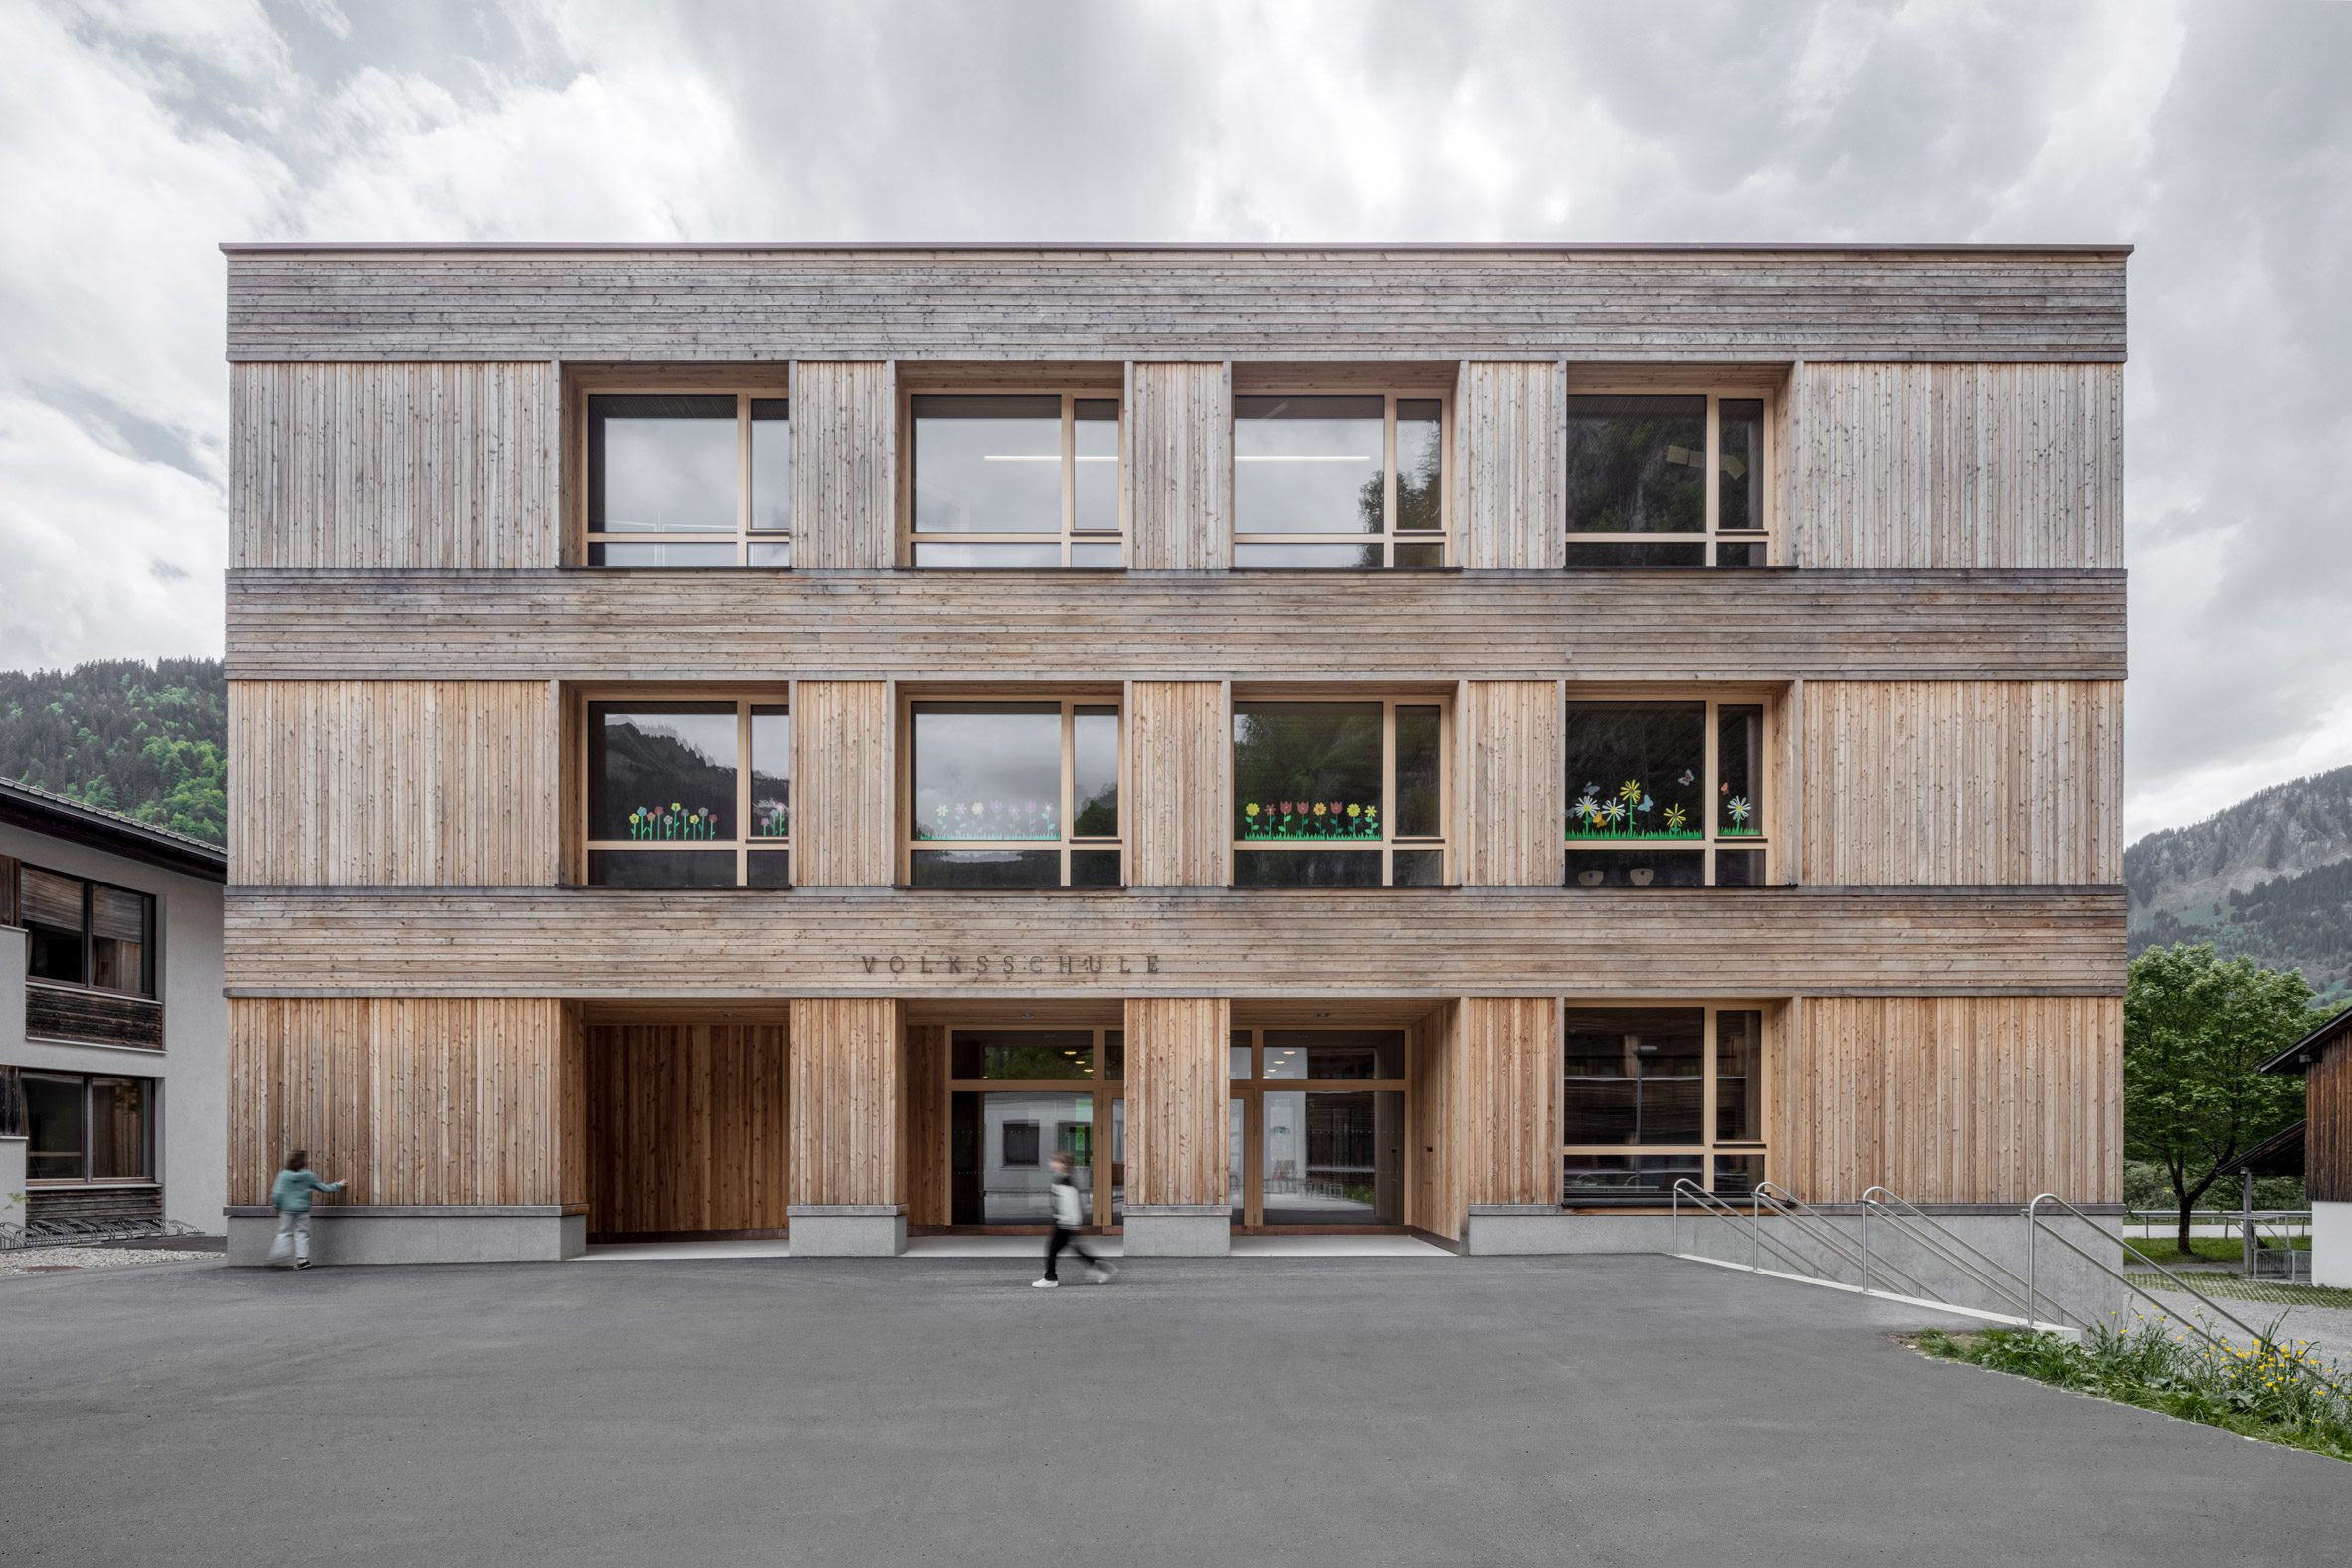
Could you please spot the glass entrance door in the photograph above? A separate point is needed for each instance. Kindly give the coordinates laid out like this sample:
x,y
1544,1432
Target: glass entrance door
x,y
1316,1127
1018,1098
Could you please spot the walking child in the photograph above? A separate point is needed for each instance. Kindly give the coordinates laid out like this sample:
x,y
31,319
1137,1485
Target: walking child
x,y
1069,1215
290,1194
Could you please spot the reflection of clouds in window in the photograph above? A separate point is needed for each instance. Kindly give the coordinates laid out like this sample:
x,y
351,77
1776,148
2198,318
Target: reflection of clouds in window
x,y
987,775
670,475
1308,464
988,465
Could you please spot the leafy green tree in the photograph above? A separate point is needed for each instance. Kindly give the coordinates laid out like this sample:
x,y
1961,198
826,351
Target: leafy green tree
x,y
149,740
2195,1030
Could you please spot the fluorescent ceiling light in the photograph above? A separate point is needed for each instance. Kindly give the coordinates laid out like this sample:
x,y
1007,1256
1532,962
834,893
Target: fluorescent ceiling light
x,y
1046,456
1300,457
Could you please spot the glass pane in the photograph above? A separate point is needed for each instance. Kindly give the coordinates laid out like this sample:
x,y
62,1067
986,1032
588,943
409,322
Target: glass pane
x,y
1238,1055
771,466
1628,556
53,1118
1630,1175
1420,557
1420,483
1118,1161
986,557
661,868
988,868
1317,557
1417,868
1020,1055
1636,867
1736,1175
776,553
1637,465
119,940
1235,1171
52,912
662,465
1000,1145
662,555
768,868
987,464
1730,554
1095,556
1094,772
118,1130
1635,1075
1637,770
1739,868
771,773
1114,1054
1420,767
1308,464
1334,1158
1740,765
1334,1052
1306,770
1739,1077
988,773
661,772
1094,432
1307,867
1093,868
1740,503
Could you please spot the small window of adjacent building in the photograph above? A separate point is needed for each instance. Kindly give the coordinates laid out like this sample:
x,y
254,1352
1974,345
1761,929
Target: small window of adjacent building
x,y
86,933
1015,795
88,1127
1653,1096
689,795
1009,480
1667,795
1339,794
1672,480
1339,481
689,479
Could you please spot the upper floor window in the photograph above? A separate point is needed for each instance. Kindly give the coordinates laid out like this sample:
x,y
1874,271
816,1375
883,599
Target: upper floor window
x,y
690,795
1675,481
1339,794
688,479
1015,795
1653,1096
87,934
1338,482
1017,480
1666,795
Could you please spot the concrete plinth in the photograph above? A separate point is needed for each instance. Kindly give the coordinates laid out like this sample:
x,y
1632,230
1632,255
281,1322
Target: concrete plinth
x,y
2331,1243
11,1180
1178,1230
847,1230
415,1234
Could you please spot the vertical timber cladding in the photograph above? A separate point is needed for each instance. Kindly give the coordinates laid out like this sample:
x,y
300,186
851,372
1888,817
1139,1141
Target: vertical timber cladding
x,y
1177,1089
2327,1132
1962,783
1511,792
1179,785
1509,430
845,463
688,1128
409,1100
1179,469
844,826
928,1201
1484,1108
847,1101
395,784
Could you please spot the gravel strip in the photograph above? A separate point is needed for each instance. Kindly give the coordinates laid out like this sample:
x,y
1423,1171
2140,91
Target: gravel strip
x,y
42,1259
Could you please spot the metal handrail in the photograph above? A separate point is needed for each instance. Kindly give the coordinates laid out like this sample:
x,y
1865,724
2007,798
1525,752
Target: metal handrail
x,y
1811,1223
1713,1203
1972,1262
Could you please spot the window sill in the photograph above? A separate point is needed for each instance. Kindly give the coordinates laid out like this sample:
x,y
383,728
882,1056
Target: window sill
x,y
75,988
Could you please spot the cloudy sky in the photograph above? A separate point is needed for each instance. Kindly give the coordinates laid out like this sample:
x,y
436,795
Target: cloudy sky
x,y
2216,136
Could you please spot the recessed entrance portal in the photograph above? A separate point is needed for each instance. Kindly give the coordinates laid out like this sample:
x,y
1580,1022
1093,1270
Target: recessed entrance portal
x,y
1317,1128
1016,1098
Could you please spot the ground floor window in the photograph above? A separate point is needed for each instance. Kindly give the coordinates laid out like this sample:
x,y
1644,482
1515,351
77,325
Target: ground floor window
x,y
88,1127
1017,1097
1658,1094
1316,1127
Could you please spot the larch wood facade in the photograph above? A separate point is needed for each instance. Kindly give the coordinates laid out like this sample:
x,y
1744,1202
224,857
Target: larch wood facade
x,y
1934,634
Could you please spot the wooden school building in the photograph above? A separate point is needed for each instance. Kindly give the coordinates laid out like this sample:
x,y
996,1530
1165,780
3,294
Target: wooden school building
x,y
1453,739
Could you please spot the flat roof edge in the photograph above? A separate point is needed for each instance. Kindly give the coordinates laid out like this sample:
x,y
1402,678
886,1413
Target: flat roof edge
x,y
1284,248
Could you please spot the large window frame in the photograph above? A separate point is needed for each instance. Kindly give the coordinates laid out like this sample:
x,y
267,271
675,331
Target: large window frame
x,y
1715,841
1713,1152
1078,547
1105,1209
745,842
1246,1086
1389,538
1732,548
1387,844
89,964
753,546
1068,841
87,1086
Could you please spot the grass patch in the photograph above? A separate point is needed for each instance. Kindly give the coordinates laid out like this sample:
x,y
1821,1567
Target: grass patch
x,y
2202,1249
2278,1391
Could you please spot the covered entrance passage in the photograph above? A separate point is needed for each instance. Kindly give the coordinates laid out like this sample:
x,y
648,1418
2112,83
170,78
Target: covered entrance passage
x,y
1315,1133
686,1119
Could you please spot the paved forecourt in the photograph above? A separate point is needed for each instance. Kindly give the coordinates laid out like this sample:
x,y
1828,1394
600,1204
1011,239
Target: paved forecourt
x,y
1263,1410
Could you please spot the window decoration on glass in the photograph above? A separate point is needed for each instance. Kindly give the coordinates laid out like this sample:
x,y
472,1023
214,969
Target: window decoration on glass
x,y
1666,481
689,794
1015,480
1653,1094
86,933
1014,1096
1015,795
1666,795
1339,481
688,479
1339,794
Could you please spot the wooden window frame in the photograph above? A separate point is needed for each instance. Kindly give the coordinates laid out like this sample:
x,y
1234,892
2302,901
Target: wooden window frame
x,y
745,841
1709,1148
1765,538
1070,535
151,966
148,1147
1068,841
1252,1092
1387,538
1107,1091
1715,840
1388,844
682,381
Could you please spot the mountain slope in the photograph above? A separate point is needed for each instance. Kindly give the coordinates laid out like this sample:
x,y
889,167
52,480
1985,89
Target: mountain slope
x,y
147,740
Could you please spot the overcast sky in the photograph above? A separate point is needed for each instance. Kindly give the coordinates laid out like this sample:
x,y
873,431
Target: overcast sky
x,y
2216,136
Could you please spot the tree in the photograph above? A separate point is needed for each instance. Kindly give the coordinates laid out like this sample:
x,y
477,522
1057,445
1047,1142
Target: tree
x,y
2195,1030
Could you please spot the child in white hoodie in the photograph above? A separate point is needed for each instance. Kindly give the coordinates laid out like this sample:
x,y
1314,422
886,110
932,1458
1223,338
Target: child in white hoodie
x,y
1068,1214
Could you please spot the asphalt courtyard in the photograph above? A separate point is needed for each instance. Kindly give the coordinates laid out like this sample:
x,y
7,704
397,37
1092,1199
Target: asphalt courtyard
x,y
1248,1411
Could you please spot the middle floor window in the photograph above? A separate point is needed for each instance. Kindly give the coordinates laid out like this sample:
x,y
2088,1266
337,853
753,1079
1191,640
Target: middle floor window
x,y
1015,795
1015,481
1667,795
1338,482
1339,794
689,795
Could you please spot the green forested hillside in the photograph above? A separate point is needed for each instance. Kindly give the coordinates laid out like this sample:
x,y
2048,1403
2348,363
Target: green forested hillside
x,y
147,740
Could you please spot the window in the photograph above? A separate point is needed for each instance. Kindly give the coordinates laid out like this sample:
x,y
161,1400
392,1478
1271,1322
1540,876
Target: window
x,y
89,1128
672,803
1315,1126
1013,481
1338,482
702,480
86,933
1015,795
1667,795
1658,1094
1339,794
1665,480
1016,1094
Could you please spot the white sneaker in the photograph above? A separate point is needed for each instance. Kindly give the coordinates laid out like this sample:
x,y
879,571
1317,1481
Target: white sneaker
x,y
1042,1285
1099,1275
